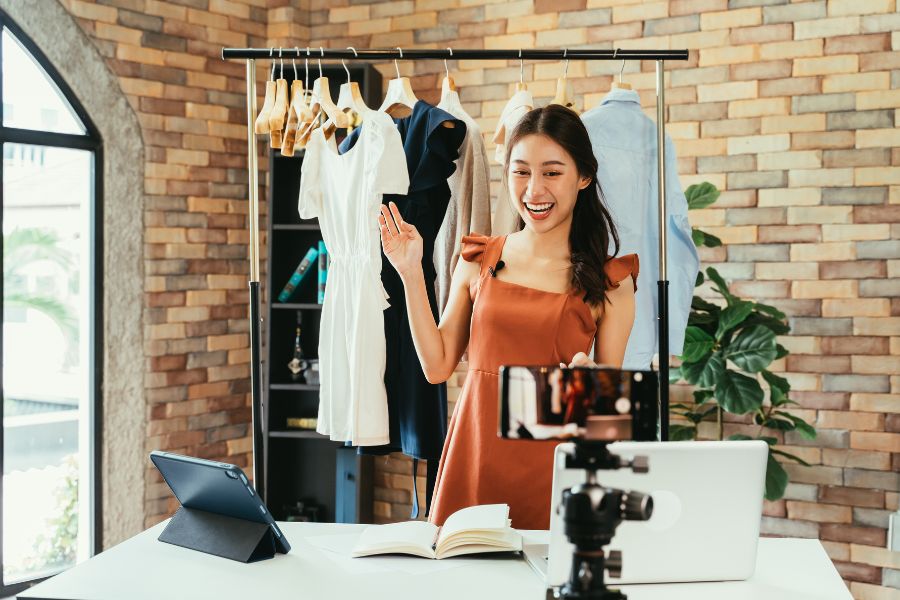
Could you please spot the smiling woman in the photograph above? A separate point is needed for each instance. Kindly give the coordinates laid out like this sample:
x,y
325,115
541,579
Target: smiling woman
x,y
543,295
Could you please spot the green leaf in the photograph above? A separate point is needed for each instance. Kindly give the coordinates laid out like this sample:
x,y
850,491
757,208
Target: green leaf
x,y
739,437
738,393
720,284
681,433
711,241
698,303
697,236
780,351
804,428
700,279
776,479
701,396
769,440
790,456
697,344
705,372
753,349
775,423
769,310
675,374
776,381
779,327
701,195
733,316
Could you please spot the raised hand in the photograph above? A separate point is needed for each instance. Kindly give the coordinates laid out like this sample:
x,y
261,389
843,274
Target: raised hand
x,y
400,241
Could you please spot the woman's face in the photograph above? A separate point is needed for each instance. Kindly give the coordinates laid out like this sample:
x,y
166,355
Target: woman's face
x,y
543,182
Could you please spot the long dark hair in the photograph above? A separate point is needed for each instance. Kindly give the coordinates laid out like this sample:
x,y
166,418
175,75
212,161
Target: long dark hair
x,y
592,225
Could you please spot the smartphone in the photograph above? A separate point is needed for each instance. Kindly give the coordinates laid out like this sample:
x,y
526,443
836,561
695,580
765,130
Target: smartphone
x,y
589,403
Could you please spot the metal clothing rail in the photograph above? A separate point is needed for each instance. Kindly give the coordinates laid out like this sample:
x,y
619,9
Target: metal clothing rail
x,y
253,54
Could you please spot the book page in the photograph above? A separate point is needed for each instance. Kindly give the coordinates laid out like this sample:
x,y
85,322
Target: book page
x,y
411,537
476,518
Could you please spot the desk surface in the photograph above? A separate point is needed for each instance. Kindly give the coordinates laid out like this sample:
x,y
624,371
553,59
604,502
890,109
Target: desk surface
x,y
143,567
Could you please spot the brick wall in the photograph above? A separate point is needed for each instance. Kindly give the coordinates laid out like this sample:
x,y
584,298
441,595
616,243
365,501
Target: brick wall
x,y
790,108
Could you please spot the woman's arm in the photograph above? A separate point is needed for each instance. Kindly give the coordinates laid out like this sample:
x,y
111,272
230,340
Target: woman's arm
x,y
615,324
439,347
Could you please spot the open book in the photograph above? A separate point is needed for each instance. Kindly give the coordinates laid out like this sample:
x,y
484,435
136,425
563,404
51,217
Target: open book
x,y
471,530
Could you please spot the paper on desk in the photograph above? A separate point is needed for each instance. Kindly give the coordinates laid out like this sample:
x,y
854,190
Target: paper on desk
x,y
339,547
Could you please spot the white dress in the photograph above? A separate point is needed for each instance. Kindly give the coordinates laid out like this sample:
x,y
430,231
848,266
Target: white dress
x,y
344,191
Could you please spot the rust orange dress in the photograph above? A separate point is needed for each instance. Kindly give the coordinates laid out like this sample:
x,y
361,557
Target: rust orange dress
x,y
512,325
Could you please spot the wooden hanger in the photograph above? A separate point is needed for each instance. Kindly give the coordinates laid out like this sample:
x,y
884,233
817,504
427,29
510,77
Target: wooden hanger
x,y
279,110
261,124
400,98
447,85
350,99
620,84
520,85
295,107
564,91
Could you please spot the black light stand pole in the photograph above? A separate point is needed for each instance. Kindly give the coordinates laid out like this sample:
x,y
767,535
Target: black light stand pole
x,y
256,399
663,283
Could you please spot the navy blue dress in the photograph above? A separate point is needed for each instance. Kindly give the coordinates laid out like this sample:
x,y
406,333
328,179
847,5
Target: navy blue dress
x,y
417,409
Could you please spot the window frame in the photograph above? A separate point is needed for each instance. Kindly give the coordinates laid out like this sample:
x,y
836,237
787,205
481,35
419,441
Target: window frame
x,y
90,141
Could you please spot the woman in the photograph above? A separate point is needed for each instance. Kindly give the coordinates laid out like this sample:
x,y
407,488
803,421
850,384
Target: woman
x,y
539,296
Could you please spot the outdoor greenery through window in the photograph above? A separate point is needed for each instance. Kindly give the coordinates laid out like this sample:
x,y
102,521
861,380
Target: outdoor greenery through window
x,y
48,316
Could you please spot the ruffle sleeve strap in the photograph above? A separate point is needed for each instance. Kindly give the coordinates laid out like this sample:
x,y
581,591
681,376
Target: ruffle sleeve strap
x,y
620,267
473,247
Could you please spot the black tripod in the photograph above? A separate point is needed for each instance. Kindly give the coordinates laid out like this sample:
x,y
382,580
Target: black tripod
x,y
591,514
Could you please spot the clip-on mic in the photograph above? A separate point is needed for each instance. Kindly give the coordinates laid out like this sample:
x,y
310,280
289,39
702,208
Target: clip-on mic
x,y
494,271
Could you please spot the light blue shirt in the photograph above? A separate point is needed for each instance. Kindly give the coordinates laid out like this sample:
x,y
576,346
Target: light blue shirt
x,y
624,141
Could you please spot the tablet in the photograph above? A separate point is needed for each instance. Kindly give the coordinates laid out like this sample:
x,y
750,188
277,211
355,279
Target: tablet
x,y
215,487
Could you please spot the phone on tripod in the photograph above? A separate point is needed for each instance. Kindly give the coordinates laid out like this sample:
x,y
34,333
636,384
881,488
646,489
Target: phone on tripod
x,y
577,403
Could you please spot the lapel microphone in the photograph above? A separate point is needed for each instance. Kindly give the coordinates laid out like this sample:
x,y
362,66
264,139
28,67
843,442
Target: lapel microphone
x,y
494,270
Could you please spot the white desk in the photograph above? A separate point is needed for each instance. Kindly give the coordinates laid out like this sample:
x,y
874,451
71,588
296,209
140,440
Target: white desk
x,y
143,567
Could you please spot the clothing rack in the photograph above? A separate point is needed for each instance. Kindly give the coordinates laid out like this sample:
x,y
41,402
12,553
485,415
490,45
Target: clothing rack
x,y
251,55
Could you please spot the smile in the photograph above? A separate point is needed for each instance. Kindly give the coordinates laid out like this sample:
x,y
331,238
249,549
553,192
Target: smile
x,y
539,210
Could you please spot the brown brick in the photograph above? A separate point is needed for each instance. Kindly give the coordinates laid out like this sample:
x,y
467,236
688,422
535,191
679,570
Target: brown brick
x,y
168,363
818,364
855,345
855,535
852,269
859,572
789,233
851,496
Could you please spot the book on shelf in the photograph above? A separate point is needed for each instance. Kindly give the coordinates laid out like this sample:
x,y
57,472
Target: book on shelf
x,y
323,270
298,275
302,422
471,530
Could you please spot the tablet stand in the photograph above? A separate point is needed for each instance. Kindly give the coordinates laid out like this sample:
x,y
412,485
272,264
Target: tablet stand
x,y
228,537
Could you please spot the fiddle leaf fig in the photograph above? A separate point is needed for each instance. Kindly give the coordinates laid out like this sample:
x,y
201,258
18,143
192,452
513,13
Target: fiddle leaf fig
x,y
753,349
727,355
697,344
738,393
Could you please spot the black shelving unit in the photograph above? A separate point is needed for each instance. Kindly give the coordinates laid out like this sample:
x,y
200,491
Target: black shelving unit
x,y
302,465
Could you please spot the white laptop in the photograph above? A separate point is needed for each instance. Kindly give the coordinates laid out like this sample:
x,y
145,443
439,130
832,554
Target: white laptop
x,y
707,506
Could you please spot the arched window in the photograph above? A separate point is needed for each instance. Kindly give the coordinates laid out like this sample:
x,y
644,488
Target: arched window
x,y
50,183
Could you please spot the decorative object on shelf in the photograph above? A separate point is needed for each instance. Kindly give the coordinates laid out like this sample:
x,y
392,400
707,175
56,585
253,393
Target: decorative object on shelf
x,y
298,275
308,423
726,352
298,363
305,510
323,270
312,371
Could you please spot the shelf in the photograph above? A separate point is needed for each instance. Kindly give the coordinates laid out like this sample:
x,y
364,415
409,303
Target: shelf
x,y
296,306
293,386
298,434
295,227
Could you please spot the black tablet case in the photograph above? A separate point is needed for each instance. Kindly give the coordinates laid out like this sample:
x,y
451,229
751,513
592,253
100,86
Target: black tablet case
x,y
228,537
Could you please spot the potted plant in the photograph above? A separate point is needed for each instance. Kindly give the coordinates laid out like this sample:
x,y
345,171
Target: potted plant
x,y
728,348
